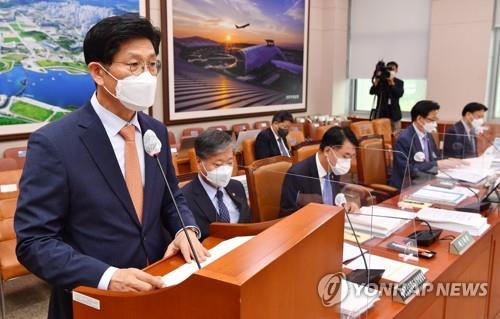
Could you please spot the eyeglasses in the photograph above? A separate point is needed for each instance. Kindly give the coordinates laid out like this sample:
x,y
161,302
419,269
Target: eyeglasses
x,y
137,68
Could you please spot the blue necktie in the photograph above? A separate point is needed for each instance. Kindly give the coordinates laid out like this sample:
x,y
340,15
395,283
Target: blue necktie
x,y
327,190
473,143
223,211
282,147
426,148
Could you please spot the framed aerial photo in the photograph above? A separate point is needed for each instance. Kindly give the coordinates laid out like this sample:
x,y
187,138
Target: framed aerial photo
x,y
233,58
43,75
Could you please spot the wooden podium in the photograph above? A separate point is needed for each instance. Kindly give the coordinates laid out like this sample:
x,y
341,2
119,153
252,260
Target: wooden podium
x,y
273,275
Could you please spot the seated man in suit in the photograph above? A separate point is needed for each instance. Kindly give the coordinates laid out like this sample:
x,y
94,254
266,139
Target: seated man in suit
x,y
92,208
213,196
415,153
460,140
272,141
316,179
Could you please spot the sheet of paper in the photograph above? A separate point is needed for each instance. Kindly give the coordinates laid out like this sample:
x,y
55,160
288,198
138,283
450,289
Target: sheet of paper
x,y
436,194
451,216
183,272
395,270
362,237
7,188
351,252
356,299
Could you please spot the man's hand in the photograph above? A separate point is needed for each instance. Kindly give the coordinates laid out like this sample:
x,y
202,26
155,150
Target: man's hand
x,y
351,207
132,279
451,163
180,243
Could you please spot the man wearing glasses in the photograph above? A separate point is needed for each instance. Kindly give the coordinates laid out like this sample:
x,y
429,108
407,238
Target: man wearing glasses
x,y
416,155
92,208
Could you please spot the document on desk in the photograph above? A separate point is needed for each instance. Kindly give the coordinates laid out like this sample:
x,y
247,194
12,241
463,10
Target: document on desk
x,y
455,221
183,272
432,194
395,270
356,299
351,252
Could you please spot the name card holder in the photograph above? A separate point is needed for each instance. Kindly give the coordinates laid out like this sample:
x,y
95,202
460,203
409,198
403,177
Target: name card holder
x,y
408,288
460,244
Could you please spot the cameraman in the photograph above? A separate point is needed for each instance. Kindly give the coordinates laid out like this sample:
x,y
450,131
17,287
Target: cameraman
x,y
388,90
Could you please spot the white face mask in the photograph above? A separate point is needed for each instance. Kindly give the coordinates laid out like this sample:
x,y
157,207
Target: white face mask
x,y
135,92
219,176
430,127
393,74
341,167
477,123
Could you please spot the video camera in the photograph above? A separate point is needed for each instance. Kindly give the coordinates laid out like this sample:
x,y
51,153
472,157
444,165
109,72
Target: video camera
x,y
382,72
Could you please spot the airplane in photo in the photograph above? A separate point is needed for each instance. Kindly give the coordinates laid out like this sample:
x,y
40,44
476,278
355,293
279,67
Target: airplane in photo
x,y
241,26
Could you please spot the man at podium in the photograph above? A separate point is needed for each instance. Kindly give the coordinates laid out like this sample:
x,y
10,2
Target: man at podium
x,y
93,208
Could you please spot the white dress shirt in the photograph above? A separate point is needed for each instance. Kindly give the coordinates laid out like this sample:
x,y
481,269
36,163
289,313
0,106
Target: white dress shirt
x,y
321,173
234,213
113,124
279,141
421,136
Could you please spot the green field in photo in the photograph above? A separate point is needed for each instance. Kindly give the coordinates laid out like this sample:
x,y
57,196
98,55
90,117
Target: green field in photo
x,y
30,111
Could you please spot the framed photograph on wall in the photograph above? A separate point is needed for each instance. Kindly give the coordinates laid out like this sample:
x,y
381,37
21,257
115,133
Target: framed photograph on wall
x,y
232,59
43,75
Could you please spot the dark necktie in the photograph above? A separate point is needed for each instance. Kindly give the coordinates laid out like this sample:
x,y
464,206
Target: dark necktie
x,y
223,211
327,190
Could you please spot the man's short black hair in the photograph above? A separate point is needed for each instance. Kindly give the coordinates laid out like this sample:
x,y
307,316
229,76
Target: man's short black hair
x,y
103,40
393,63
423,108
282,116
210,142
336,136
474,107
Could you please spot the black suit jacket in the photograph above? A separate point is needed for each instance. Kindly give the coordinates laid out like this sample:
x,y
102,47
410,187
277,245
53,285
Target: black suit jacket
x,y
302,179
203,209
266,144
392,94
457,143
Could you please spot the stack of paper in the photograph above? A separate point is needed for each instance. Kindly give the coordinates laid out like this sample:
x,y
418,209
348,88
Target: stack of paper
x,y
438,195
455,221
356,299
395,270
351,252
371,220
183,272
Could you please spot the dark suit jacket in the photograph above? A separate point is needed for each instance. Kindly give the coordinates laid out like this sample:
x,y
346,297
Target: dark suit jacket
x,y
203,209
75,217
266,144
457,143
407,145
392,93
302,179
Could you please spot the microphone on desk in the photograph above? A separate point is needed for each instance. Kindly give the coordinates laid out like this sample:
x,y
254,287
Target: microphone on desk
x,y
152,146
359,276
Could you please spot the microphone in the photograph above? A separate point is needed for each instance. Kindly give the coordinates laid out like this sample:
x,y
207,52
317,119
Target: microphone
x,y
152,146
359,276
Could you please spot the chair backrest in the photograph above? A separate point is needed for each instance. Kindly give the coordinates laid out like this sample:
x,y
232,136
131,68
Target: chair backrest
x,y
241,127
8,164
265,179
362,128
297,127
192,160
248,147
7,210
18,154
310,129
383,127
218,127
371,160
192,131
304,150
295,137
260,125
171,138
9,183
320,131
